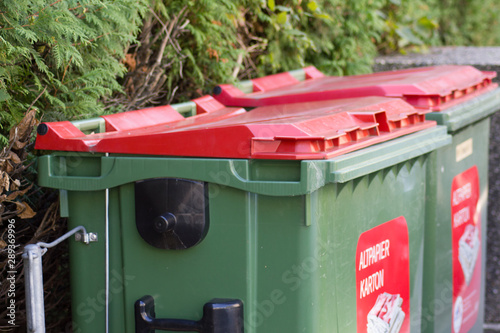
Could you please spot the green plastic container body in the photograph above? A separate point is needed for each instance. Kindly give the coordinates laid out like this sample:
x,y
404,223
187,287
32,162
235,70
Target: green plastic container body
x,y
469,125
282,235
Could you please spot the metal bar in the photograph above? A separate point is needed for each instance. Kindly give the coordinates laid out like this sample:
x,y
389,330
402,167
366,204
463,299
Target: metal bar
x,y
33,280
62,238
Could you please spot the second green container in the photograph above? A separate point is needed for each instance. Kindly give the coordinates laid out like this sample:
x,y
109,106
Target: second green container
x,y
455,246
462,98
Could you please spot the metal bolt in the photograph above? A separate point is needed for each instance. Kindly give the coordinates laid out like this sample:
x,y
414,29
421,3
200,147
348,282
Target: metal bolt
x,y
78,237
93,237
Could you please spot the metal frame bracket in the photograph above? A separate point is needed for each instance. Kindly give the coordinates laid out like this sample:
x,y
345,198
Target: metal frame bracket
x,y
86,237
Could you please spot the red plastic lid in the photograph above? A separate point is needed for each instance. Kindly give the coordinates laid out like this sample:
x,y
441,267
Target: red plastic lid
x,y
436,87
316,130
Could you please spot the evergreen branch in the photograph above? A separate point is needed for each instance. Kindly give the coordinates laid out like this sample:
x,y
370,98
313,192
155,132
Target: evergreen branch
x,y
52,4
10,28
70,9
64,74
36,99
93,39
82,15
5,64
66,69
5,18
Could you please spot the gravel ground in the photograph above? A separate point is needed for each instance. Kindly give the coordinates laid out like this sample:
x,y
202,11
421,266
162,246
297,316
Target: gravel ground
x,y
484,58
492,311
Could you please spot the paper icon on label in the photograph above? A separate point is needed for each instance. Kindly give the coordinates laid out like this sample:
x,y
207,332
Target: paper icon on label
x,y
458,313
468,249
386,316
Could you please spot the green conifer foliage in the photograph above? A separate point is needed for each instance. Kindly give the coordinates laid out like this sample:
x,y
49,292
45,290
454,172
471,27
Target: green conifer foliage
x,y
66,52
185,48
336,36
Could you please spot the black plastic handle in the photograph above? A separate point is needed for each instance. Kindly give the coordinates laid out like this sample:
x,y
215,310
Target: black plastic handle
x,y
219,316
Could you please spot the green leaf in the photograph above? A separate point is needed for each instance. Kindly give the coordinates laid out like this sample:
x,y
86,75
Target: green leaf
x,y
323,16
427,23
3,140
282,18
271,4
312,5
407,35
284,9
381,14
4,95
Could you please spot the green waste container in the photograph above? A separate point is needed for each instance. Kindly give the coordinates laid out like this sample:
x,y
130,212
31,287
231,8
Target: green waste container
x,y
462,98
456,233
310,215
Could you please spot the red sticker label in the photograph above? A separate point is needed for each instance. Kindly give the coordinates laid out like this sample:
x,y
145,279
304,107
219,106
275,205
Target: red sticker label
x,y
383,279
466,249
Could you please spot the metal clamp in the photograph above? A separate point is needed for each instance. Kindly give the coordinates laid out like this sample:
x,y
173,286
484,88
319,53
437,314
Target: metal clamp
x,y
86,237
